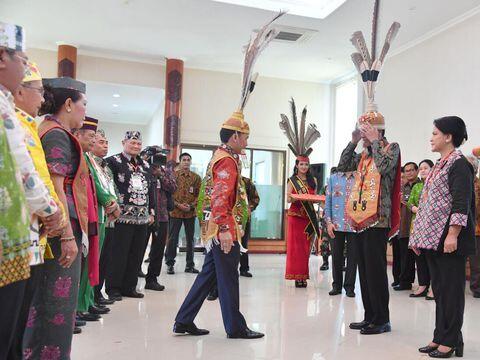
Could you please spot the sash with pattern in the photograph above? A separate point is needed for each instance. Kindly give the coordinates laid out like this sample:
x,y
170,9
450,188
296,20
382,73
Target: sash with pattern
x,y
363,203
302,188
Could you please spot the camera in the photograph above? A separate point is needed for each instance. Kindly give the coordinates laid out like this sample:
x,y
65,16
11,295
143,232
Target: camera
x,y
155,155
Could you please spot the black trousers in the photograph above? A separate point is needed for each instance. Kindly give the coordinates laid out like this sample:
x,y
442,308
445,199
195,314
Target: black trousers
x,y
222,269
397,260
422,270
16,348
244,256
175,226
11,297
127,256
407,273
105,260
475,269
448,284
338,260
157,250
371,249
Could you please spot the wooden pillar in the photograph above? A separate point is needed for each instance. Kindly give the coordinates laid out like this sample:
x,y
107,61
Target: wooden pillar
x,y
67,61
173,107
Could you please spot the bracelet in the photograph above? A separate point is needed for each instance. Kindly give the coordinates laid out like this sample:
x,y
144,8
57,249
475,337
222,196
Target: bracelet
x,y
67,239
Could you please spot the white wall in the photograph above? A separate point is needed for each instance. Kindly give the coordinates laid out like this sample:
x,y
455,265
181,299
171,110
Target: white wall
x,y
210,97
438,77
116,132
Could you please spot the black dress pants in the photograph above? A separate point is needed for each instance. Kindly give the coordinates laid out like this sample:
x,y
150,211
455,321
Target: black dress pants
x,y
448,284
422,270
475,269
371,249
244,256
105,259
33,282
341,240
127,256
175,226
397,260
11,297
157,250
407,274
221,269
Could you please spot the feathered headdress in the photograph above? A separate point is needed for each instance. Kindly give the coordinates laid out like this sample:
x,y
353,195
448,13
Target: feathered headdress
x,y
367,63
300,141
258,42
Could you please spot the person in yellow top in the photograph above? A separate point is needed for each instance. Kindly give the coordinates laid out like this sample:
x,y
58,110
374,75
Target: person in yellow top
x,y
28,99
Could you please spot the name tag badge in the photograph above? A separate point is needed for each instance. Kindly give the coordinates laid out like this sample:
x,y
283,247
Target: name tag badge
x,y
136,181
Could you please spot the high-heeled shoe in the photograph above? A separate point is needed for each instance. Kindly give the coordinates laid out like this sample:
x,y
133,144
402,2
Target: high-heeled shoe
x,y
298,283
304,283
422,294
427,349
458,350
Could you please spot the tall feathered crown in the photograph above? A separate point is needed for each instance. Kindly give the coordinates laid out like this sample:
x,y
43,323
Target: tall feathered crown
x,y
367,63
258,42
300,141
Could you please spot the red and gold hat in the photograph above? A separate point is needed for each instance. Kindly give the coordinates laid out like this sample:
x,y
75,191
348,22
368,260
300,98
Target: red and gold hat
x,y
373,117
237,122
32,73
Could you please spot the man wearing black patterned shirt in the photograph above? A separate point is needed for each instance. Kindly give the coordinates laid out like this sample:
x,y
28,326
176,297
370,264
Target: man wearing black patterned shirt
x,y
130,174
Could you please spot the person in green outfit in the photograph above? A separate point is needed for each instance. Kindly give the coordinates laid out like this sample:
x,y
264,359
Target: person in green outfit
x,y
422,268
106,202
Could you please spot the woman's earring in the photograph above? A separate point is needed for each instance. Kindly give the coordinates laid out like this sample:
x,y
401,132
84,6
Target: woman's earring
x,y
69,110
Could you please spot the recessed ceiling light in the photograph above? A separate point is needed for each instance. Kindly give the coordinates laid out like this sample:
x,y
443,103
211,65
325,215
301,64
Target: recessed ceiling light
x,y
318,9
115,105
116,95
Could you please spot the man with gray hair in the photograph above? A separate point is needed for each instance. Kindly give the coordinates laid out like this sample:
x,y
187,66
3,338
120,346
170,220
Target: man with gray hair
x,y
130,174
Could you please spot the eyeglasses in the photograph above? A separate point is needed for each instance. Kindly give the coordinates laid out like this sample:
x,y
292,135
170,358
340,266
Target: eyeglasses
x,y
40,90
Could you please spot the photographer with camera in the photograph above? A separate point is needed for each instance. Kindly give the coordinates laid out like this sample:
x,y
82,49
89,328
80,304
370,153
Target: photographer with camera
x,y
164,184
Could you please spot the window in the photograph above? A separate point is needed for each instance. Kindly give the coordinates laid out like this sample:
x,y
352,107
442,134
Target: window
x,y
346,110
266,168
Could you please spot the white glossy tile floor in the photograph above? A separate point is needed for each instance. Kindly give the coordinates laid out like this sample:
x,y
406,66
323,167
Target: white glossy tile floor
x,y
299,323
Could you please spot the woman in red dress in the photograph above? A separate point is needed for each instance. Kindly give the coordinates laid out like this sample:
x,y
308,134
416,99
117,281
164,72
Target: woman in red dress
x,y
301,221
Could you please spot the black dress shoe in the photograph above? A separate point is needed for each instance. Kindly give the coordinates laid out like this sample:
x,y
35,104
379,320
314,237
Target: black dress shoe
x,y
334,292
147,261
77,330
359,325
213,295
246,274
246,334
85,316
442,355
133,294
153,285
189,329
103,301
170,270
393,284
427,349
141,274
401,287
80,323
191,270
115,297
98,310
376,329
350,293
422,294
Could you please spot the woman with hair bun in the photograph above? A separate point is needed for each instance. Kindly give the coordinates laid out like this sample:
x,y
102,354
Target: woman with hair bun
x,y
52,315
444,230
